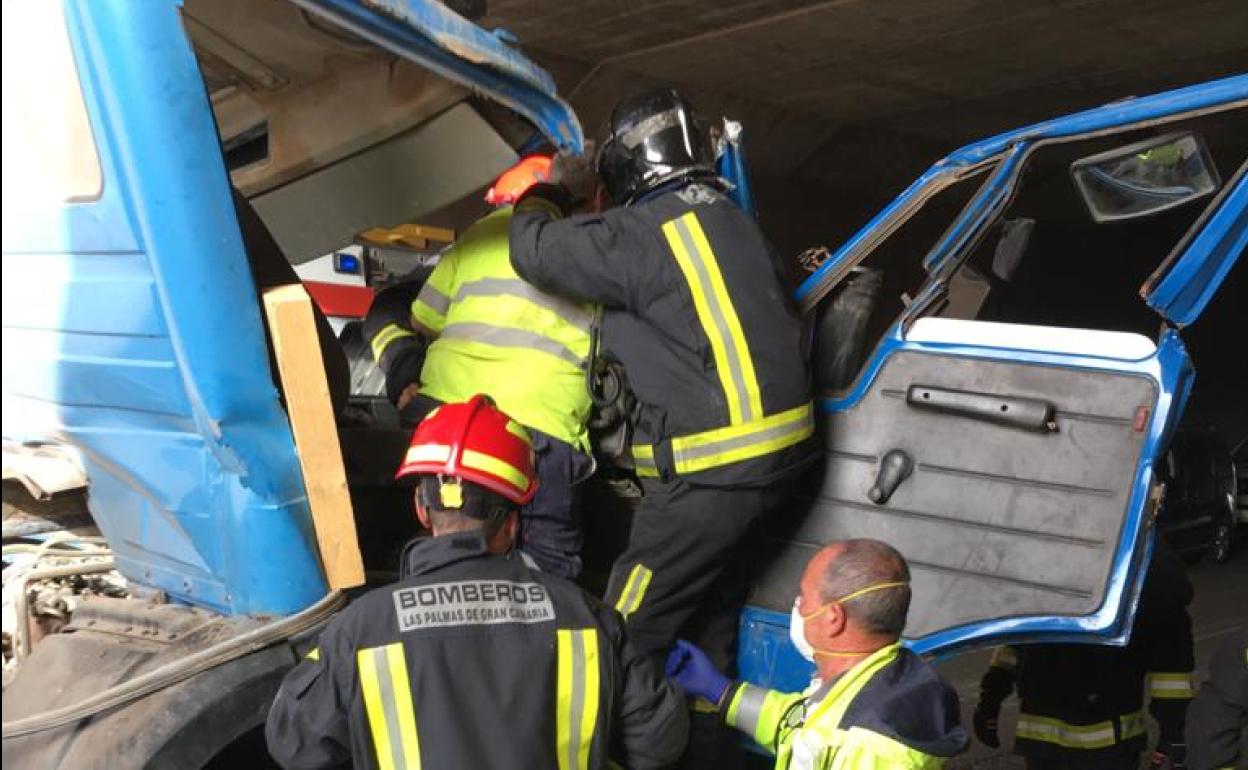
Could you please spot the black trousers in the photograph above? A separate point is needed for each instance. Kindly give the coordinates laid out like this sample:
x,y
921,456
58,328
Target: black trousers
x,y
685,570
550,525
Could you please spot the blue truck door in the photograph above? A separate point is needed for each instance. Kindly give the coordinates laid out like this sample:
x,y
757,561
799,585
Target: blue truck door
x,y
1027,510
132,330
1181,288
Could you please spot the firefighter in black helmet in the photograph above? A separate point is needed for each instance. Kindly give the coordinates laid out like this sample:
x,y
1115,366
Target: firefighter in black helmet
x,y
697,313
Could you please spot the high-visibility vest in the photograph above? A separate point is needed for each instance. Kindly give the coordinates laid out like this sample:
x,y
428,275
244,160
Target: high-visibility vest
x,y
495,334
817,736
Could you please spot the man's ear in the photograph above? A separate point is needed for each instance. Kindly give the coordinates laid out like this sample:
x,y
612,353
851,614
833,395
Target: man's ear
x,y
512,526
421,513
833,621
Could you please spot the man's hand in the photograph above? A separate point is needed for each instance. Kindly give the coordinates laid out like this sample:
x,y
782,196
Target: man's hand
x,y
694,673
576,174
985,723
406,395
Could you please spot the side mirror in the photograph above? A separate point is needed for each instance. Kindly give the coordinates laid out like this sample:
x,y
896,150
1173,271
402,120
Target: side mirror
x,y
1145,178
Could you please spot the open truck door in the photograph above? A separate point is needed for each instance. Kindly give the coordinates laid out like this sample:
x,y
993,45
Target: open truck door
x,y
1011,463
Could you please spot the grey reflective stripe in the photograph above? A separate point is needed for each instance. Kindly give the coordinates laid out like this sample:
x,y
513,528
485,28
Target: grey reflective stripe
x,y
576,699
389,708
434,298
750,702
681,455
699,259
505,337
570,312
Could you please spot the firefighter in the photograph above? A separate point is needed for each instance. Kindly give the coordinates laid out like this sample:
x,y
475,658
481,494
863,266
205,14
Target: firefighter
x,y
474,658
873,704
696,311
474,326
1219,714
1082,705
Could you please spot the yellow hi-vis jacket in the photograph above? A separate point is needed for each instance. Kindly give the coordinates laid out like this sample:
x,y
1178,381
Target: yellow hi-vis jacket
x,y
889,711
495,334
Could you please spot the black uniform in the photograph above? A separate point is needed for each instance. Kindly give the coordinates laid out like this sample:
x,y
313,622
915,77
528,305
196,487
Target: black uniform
x,y
473,660
1219,715
697,313
1082,705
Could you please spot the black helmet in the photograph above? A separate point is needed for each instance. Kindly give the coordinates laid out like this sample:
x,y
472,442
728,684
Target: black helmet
x,y
653,138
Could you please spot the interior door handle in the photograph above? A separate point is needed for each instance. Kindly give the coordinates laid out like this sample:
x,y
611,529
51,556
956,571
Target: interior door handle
x,y
895,467
1015,411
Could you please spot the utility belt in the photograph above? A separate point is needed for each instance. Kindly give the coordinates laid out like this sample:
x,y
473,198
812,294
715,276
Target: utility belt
x,y
1098,735
694,452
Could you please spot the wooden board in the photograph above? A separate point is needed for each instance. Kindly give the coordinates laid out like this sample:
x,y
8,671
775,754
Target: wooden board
x,y
291,325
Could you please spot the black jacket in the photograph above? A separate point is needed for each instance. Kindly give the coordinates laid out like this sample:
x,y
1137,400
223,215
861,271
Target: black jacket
x,y
1219,714
696,311
1066,690
473,660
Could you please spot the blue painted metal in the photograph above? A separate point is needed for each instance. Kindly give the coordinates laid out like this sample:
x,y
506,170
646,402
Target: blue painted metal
x,y
1184,292
132,329
193,474
984,207
1119,114
765,660
1123,114
731,166
438,39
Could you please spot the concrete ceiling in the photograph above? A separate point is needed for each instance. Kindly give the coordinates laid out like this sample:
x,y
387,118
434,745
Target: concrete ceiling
x,y
817,82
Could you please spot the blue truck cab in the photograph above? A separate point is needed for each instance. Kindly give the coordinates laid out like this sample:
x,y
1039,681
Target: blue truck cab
x,y
158,158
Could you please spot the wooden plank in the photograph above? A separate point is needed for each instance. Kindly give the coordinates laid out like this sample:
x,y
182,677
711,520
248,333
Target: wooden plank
x,y
298,353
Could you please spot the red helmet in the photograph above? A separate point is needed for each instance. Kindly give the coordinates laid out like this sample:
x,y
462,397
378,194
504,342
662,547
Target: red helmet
x,y
473,441
513,183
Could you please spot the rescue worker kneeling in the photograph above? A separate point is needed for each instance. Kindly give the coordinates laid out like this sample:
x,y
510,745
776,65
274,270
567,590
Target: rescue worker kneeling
x,y
474,658
873,704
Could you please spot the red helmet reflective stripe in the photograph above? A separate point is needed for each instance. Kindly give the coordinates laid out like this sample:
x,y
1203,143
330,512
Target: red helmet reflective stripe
x,y
515,181
476,442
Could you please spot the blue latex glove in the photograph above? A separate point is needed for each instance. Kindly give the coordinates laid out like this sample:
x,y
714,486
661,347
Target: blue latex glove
x,y
694,672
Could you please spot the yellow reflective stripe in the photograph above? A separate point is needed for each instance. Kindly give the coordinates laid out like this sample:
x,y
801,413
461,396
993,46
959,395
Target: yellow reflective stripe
x,y
1004,657
388,702
577,696
497,467
634,589
643,461
735,443
517,430
406,712
717,316
314,654
1171,685
754,397
1094,736
389,333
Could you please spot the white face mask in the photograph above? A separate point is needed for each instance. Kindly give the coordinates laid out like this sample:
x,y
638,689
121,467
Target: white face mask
x,y
797,622
797,634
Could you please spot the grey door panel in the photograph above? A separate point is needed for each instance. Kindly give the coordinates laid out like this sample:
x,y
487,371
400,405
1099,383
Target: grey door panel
x,y
996,521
